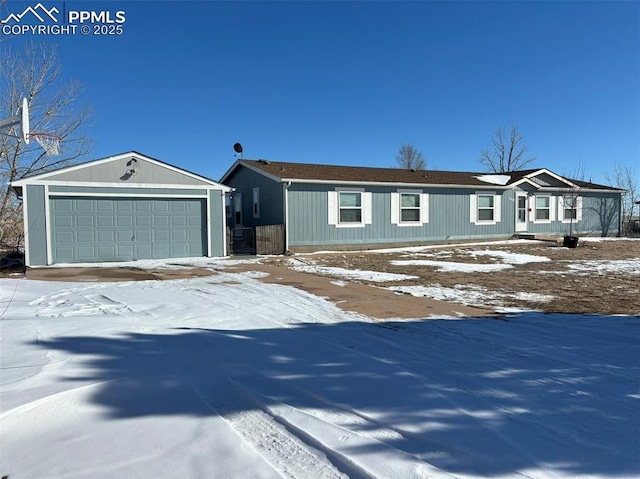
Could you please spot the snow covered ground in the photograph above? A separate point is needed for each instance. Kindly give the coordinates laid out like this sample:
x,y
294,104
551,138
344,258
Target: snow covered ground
x,y
226,376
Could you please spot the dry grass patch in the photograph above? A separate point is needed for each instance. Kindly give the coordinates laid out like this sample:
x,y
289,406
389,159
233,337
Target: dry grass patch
x,y
588,290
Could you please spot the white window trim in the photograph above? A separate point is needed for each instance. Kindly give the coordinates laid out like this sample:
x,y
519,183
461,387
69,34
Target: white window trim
x,y
497,208
255,205
561,209
396,208
552,209
334,208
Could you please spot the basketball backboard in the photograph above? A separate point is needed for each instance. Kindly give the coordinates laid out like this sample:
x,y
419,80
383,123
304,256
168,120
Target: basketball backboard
x,y
21,119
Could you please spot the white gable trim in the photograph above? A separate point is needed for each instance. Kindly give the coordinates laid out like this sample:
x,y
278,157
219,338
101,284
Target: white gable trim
x,y
540,172
41,178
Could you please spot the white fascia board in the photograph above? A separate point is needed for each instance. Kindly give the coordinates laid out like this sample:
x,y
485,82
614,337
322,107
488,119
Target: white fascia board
x,y
578,189
255,169
392,185
124,156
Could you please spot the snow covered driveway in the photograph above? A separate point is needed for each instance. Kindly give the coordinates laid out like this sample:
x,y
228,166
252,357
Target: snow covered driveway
x,y
227,376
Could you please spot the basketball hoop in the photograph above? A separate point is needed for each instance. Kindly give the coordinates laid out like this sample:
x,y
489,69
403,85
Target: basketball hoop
x,y
48,142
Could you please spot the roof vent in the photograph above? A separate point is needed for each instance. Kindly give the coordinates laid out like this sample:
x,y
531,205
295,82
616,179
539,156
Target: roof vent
x,y
281,167
413,170
264,162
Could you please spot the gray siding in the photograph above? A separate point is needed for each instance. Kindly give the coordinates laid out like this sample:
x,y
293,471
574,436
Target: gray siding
x,y
116,172
217,229
36,225
600,216
449,218
271,197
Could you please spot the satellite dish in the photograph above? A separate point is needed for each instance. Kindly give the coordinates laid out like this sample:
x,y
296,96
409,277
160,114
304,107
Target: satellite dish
x,y
238,148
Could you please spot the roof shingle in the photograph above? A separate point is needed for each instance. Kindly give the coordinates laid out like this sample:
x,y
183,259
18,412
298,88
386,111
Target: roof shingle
x,y
353,174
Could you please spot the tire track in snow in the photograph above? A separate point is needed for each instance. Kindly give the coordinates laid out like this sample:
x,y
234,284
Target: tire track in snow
x,y
354,348
339,442
287,453
347,423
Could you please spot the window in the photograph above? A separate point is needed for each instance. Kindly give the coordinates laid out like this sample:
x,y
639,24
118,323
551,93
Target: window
x,y
409,207
570,208
570,212
256,202
543,208
485,207
350,207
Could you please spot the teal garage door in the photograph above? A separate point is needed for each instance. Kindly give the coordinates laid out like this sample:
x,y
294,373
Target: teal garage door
x,y
125,229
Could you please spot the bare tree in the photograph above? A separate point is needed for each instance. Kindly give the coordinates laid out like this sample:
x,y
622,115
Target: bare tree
x,y
410,158
55,106
507,152
624,177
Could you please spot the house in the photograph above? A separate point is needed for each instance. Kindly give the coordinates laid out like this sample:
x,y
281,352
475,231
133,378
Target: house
x,y
326,206
125,207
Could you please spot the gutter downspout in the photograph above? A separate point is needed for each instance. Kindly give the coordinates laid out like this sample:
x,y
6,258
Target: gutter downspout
x,y
286,215
225,238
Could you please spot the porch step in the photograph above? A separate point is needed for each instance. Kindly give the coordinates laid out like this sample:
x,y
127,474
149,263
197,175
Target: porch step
x,y
538,237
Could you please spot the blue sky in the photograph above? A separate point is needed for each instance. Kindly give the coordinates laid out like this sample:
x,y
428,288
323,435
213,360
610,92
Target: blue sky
x,y
349,82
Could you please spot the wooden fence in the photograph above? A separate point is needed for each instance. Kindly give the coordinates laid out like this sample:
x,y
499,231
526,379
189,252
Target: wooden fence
x,y
270,239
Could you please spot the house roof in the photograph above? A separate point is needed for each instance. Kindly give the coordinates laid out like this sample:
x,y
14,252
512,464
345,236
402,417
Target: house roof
x,y
284,171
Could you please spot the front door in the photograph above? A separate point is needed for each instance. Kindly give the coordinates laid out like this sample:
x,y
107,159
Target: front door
x,y
521,212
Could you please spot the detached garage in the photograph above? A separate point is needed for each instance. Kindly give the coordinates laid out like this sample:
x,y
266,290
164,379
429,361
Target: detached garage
x,y
122,208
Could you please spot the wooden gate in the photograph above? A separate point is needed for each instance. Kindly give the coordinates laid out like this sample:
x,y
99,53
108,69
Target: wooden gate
x,y
270,239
